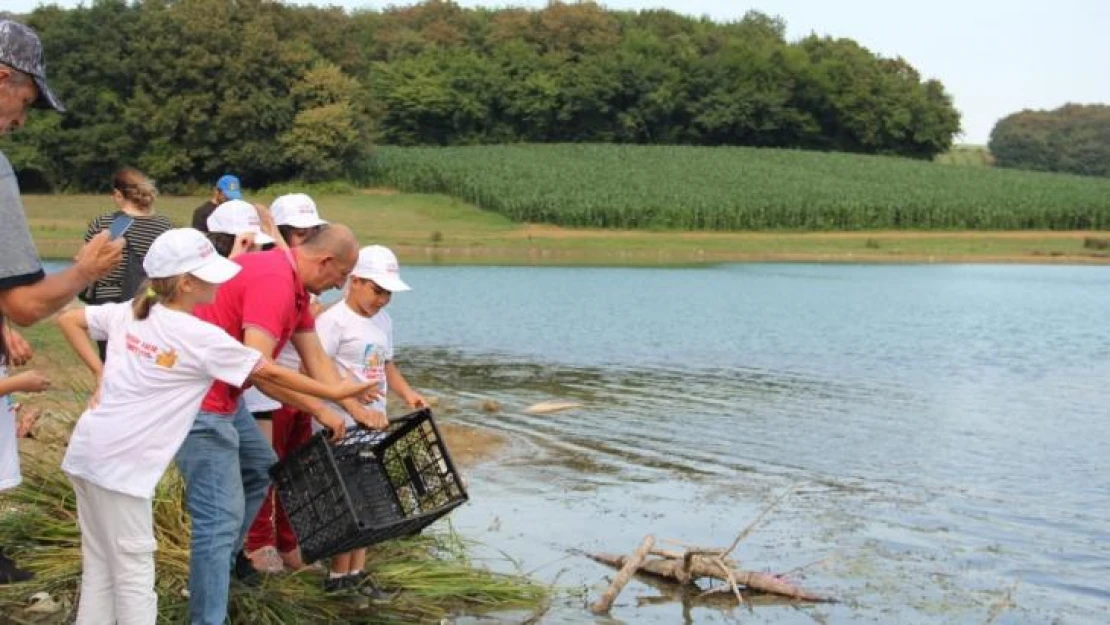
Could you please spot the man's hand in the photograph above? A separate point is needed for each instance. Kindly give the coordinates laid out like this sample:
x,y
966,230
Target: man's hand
x,y
328,419
372,419
19,350
99,256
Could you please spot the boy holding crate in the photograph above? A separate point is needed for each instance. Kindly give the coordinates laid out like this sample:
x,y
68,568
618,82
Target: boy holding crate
x,y
358,335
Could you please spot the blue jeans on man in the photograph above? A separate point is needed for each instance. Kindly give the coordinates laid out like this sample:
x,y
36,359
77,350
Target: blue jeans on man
x,y
225,462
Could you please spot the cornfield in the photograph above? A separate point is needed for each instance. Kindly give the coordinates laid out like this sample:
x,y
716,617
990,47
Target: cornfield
x,y
728,188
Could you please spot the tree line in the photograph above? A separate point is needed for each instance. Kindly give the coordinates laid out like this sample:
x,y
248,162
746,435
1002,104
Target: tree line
x,y
1073,139
188,89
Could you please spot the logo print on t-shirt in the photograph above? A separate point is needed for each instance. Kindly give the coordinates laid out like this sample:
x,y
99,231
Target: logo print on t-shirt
x,y
373,362
167,359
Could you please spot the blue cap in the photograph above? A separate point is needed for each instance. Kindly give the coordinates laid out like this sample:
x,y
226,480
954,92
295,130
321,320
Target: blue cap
x,y
230,186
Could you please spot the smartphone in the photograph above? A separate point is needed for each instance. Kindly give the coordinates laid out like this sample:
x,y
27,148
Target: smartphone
x,y
119,226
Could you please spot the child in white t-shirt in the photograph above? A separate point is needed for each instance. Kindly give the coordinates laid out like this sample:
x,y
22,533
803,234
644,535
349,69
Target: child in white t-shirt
x,y
162,362
358,334
25,382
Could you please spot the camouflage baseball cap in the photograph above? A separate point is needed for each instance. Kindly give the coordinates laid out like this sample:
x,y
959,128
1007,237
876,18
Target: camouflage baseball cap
x,y
21,49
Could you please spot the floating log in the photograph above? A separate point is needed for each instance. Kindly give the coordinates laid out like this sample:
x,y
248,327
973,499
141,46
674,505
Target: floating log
x,y
548,407
673,569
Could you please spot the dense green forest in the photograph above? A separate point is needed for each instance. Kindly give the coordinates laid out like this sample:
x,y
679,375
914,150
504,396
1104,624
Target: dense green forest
x,y
1072,139
186,89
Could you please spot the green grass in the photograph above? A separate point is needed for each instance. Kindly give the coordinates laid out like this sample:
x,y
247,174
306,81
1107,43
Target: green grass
x,y
697,188
432,228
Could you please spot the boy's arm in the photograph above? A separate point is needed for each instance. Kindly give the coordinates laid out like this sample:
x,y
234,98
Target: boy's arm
x,y
320,367
400,385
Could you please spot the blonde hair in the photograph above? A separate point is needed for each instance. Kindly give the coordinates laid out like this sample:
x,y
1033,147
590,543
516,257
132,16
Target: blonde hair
x,y
153,291
135,187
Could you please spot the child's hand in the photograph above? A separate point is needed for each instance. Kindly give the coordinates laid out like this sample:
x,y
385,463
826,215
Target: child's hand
x,y
244,241
372,419
19,350
415,400
31,382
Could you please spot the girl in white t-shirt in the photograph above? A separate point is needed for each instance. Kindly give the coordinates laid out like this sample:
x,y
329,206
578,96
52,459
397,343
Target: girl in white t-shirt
x,y
358,335
162,360
25,382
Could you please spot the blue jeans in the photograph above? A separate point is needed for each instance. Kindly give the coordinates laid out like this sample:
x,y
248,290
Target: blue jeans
x,y
224,461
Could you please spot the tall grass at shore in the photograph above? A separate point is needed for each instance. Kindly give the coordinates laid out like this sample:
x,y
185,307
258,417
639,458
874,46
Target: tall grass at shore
x,y
38,525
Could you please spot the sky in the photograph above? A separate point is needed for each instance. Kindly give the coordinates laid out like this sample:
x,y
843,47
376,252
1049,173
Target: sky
x,y
995,57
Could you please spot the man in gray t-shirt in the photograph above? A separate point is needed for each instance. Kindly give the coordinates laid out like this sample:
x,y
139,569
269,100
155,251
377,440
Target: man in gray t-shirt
x,y
27,295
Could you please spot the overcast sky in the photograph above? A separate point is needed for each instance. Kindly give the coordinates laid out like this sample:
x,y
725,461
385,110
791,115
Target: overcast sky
x,y
994,56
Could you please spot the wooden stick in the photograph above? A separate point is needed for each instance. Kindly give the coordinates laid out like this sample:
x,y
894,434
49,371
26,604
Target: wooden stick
x,y
731,580
628,569
748,530
700,567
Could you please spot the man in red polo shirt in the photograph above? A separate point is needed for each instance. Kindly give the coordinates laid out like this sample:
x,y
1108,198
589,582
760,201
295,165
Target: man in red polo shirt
x,y
225,459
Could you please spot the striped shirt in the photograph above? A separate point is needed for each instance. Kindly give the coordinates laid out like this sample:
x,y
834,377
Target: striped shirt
x,y
139,237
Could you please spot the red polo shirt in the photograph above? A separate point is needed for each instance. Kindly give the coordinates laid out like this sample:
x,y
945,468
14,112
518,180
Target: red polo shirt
x,y
267,294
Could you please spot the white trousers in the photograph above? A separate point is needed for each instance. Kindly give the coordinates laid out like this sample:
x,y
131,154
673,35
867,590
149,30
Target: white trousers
x,y
117,551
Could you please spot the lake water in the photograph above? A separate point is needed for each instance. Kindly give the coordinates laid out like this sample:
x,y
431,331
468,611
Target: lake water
x,y
944,430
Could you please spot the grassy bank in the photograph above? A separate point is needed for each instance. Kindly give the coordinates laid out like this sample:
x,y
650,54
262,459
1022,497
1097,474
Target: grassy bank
x,y
427,229
38,524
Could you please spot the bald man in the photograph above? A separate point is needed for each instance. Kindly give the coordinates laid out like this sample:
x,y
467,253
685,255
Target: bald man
x,y
225,459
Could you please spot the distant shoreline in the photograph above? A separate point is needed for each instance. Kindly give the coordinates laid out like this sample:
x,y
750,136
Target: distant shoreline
x,y
436,229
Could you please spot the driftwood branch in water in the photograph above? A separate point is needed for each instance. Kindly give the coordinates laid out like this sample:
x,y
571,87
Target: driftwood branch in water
x,y
673,569
628,569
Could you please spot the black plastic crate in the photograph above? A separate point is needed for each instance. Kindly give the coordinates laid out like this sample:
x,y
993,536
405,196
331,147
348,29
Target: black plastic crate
x,y
369,486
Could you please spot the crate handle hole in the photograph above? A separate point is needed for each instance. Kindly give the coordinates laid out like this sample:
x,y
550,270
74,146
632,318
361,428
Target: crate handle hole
x,y
414,476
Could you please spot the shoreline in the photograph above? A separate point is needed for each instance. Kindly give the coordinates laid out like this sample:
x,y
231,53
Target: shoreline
x,y
477,257
426,229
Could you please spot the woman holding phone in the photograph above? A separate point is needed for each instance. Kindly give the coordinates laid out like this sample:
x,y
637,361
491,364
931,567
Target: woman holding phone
x,y
135,220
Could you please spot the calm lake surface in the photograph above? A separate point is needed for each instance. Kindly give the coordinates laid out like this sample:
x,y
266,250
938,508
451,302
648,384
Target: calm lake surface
x,y
944,429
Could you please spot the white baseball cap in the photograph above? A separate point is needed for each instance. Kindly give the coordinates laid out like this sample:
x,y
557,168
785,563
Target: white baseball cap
x,y
296,210
379,264
184,250
236,217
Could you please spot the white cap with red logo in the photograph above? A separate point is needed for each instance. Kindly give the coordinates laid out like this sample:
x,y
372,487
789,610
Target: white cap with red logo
x,y
237,217
379,264
185,250
296,210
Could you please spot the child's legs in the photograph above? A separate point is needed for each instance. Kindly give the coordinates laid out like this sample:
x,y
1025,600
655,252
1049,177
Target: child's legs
x,y
294,429
341,564
262,532
358,560
97,603
121,529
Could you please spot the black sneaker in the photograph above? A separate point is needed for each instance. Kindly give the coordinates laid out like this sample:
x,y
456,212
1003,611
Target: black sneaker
x,y
12,574
363,584
244,572
333,585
